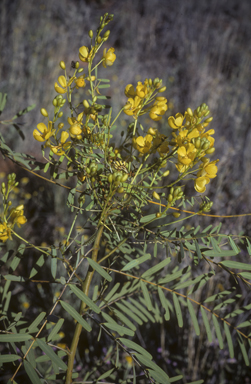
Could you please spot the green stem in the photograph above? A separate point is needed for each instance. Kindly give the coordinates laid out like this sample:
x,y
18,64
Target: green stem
x,y
85,289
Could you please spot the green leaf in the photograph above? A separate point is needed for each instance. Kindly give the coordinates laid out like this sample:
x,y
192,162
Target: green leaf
x,y
137,311
235,264
207,325
193,317
178,310
14,278
164,303
246,323
218,331
82,296
8,358
163,378
52,355
34,324
243,349
198,249
99,269
175,378
3,99
229,340
146,295
148,218
124,319
156,268
129,313
55,329
14,338
132,345
24,111
136,262
105,375
246,275
196,382
223,253
31,373
54,267
248,246
119,329
111,293
76,315
175,275
233,245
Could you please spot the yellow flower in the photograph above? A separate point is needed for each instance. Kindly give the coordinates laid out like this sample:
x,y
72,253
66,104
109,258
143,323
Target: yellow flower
x,y
130,91
109,57
80,82
75,124
60,149
186,154
141,90
5,232
143,144
208,169
200,184
83,53
133,106
17,215
158,109
43,133
62,83
176,122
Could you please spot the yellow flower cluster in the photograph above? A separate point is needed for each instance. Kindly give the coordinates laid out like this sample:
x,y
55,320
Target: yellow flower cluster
x,y
193,142
141,96
16,217
152,142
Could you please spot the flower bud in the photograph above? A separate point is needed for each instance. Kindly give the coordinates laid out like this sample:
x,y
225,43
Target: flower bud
x,y
197,144
43,112
86,104
62,64
75,129
99,39
90,34
210,151
107,33
162,89
209,119
110,178
158,215
152,131
170,198
3,189
190,112
60,125
60,114
93,179
55,102
124,177
166,173
176,214
80,70
171,190
156,195
121,190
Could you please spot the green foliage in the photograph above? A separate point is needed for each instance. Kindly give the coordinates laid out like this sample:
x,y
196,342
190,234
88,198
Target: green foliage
x,y
138,266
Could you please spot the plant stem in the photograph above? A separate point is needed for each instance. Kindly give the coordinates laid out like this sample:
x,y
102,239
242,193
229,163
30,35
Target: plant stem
x,y
85,288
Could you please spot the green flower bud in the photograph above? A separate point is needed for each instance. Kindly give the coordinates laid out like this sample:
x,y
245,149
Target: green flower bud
x,y
90,34
197,144
158,215
110,178
43,112
107,33
93,179
55,102
77,64
60,114
121,190
124,177
210,151
156,195
176,214
80,70
3,189
171,190
209,119
162,89
166,173
207,113
170,198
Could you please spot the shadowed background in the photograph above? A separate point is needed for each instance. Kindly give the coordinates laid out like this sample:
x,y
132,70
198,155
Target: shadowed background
x,y
201,50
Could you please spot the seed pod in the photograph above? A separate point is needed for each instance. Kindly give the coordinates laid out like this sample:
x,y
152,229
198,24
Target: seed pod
x,y
43,112
156,195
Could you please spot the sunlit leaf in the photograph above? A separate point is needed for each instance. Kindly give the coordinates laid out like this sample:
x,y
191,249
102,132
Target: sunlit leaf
x,y
76,315
84,298
31,373
36,322
49,352
156,268
99,269
132,345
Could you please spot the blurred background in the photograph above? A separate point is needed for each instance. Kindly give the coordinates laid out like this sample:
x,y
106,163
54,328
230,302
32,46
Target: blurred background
x,y
200,49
